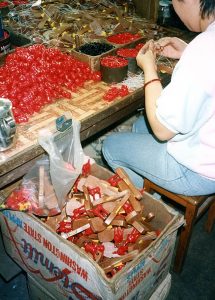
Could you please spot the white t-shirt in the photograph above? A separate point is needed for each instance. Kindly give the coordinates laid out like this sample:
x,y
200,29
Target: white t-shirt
x,y
187,106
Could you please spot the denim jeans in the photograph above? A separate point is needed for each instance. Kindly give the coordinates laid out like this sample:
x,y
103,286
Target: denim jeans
x,y
141,155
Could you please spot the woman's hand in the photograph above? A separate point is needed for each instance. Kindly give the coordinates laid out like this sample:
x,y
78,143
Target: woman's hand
x,y
171,47
146,58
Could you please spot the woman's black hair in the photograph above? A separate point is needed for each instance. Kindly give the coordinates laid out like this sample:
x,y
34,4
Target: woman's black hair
x,y
207,8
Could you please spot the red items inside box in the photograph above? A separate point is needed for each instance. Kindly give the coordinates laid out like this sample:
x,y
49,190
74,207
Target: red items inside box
x,y
123,38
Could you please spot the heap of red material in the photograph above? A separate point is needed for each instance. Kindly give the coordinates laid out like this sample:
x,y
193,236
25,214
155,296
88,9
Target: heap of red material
x,y
35,76
127,52
123,38
115,92
139,46
20,2
107,220
4,4
111,61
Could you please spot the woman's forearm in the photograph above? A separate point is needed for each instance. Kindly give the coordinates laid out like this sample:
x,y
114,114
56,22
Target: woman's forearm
x,y
152,92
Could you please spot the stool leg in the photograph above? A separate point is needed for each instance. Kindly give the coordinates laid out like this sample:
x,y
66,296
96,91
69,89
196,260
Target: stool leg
x,y
211,218
184,238
147,186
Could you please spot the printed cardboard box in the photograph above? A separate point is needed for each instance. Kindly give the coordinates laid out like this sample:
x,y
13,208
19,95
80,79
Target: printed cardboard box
x,y
67,272
38,292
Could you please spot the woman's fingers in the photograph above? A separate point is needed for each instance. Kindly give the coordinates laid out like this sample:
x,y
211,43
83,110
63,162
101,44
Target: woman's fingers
x,y
147,46
164,41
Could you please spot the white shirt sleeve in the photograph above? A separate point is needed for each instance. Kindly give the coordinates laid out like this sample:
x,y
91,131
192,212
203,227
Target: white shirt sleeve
x,y
180,107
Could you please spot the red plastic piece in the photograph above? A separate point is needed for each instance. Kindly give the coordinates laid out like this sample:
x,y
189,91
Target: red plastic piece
x,y
94,191
4,4
64,226
118,234
75,186
122,250
128,207
79,212
100,212
133,236
86,168
88,231
93,248
113,180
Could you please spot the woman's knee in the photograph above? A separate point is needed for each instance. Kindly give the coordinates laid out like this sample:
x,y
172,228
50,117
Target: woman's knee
x,y
108,145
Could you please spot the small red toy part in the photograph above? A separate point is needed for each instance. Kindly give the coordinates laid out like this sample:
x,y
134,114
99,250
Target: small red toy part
x,y
79,212
94,249
115,92
64,226
128,207
133,236
118,235
94,191
122,250
75,186
114,180
20,2
100,212
86,168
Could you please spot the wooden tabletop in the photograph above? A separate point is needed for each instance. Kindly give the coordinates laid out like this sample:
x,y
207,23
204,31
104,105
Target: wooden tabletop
x,y
87,105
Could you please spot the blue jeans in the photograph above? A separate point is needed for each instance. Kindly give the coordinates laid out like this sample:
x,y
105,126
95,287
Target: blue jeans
x,y
141,155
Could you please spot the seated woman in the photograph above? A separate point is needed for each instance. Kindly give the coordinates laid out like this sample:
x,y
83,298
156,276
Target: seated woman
x,y
175,146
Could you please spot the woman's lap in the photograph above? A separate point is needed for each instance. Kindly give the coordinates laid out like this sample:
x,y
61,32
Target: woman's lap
x,y
141,155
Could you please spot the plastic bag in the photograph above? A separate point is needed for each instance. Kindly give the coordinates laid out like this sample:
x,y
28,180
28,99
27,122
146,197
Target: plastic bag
x,y
66,158
35,193
44,188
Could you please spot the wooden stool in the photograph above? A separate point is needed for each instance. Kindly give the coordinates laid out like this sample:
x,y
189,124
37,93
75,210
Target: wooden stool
x,y
211,218
194,207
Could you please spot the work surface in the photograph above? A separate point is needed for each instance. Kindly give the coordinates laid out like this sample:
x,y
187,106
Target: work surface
x,y
87,105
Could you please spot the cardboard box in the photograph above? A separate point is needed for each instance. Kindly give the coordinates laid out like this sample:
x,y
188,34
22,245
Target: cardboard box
x,y
67,272
163,289
38,292
94,61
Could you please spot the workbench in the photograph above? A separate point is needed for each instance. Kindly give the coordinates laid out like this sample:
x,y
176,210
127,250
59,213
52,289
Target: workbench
x,y
87,105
